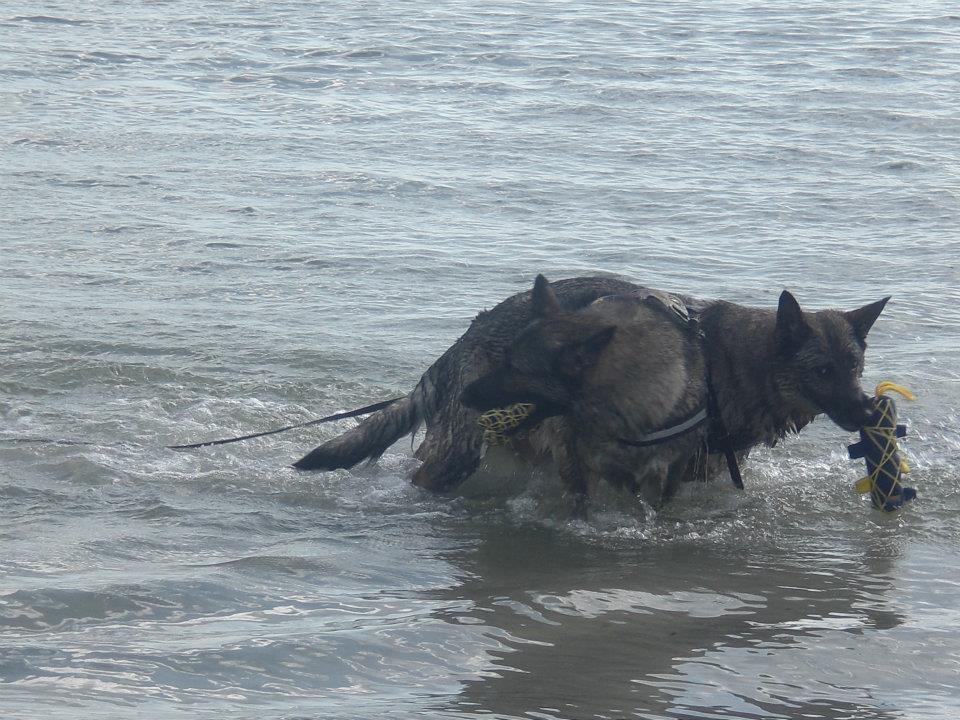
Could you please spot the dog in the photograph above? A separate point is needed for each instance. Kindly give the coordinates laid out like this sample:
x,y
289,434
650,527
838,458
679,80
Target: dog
x,y
607,365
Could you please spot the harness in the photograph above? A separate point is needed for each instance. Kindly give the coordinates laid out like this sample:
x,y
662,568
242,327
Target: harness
x,y
718,437
497,423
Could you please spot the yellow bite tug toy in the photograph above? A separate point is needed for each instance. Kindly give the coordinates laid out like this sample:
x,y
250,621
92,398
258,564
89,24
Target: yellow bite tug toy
x,y
499,422
878,447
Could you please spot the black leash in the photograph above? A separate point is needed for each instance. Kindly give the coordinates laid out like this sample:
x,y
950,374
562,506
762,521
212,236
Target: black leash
x,y
329,418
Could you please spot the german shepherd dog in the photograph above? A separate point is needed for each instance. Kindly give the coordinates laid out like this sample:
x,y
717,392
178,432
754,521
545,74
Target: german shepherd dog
x,y
607,365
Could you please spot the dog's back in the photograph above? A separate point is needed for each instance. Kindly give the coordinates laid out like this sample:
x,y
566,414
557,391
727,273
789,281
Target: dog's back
x,y
450,450
614,372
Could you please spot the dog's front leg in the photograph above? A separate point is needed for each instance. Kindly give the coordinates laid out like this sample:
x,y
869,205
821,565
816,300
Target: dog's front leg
x,y
573,473
576,487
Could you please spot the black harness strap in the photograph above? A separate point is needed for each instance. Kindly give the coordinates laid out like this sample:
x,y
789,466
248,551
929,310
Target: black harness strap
x,y
661,436
711,413
723,437
733,466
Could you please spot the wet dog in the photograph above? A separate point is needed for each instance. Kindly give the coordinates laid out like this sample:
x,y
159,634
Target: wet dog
x,y
607,365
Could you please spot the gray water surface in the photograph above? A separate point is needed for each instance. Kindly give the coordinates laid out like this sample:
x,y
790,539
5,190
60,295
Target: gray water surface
x,y
217,218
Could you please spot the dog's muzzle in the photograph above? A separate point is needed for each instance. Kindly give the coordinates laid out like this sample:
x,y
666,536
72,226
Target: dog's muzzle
x,y
856,415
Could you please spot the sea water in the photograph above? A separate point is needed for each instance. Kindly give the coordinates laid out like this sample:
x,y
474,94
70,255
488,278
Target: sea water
x,y
223,217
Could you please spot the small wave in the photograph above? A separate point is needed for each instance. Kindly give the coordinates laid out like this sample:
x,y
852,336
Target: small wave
x,y
39,142
285,81
507,60
873,73
41,610
127,227
364,54
91,183
225,245
902,166
103,56
157,511
259,564
37,499
48,20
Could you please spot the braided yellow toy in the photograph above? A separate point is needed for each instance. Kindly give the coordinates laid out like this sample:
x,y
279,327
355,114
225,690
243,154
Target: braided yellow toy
x,y
497,423
878,447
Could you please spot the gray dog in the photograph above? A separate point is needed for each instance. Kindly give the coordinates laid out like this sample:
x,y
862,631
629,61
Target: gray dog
x,y
626,384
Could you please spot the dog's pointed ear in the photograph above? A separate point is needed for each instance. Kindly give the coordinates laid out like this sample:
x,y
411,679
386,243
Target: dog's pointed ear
x,y
863,318
545,303
582,353
792,328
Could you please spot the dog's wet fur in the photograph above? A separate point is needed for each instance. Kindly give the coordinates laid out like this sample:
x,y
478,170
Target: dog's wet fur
x,y
603,365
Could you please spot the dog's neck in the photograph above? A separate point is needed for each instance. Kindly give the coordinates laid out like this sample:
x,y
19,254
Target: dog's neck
x,y
740,349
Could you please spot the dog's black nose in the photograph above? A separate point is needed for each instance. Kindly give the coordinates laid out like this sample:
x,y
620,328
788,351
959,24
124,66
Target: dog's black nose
x,y
864,412
854,414
868,404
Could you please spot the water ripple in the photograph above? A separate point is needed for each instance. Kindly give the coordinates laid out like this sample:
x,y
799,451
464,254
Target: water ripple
x,y
222,219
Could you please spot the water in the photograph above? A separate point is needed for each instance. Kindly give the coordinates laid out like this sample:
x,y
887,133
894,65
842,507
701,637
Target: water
x,y
224,217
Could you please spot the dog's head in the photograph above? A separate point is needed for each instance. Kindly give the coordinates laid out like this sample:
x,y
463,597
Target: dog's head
x,y
545,364
820,359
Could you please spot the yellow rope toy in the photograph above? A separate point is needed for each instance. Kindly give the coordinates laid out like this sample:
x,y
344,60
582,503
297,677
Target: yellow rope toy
x,y
878,448
498,422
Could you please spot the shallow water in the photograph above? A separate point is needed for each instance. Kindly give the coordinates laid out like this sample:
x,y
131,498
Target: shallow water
x,y
226,217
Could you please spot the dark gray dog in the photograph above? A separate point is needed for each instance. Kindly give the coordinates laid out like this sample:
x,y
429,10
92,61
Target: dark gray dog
x,y
627,384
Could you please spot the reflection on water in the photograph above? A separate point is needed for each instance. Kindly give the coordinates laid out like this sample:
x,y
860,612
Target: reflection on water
x,y
663,630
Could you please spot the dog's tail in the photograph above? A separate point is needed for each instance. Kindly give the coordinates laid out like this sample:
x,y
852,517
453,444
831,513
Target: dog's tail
x,y
375,434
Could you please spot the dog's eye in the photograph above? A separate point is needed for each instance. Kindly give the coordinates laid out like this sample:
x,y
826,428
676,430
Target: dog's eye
x,y
823,371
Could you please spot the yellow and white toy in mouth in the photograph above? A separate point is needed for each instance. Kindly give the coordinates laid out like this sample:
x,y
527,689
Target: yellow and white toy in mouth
x,y
878,447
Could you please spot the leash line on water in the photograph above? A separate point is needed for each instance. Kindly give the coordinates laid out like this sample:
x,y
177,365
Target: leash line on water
x,y
223,441
329,418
